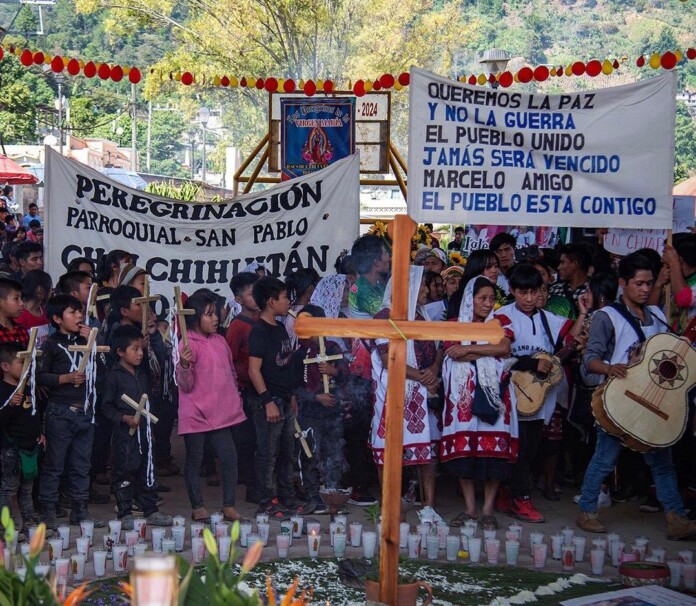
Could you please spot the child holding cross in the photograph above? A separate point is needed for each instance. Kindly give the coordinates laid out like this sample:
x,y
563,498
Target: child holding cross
x,y
132,453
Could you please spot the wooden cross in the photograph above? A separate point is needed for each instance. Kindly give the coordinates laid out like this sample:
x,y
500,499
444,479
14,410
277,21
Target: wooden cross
x,y
144,303
396,329
322,357
87,348
181,314
300,436
140,410
26,356
91,307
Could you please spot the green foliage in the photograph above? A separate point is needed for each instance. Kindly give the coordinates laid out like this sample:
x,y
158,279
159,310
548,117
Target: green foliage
x,y
684,139
188,191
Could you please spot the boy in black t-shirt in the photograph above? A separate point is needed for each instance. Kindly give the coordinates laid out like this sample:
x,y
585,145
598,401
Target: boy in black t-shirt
x,y
273,406
20,430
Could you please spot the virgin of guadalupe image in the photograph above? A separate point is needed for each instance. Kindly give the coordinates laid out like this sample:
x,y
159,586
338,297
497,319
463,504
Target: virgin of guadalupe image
x,y
317,149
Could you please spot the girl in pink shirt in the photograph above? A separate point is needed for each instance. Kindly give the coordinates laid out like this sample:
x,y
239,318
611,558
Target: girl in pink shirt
x,y
209,403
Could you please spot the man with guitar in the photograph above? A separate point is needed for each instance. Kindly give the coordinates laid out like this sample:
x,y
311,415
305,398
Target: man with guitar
x,y
615,331
535,332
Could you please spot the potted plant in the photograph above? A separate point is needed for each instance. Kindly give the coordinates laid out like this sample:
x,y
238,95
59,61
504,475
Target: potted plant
x,y
406,592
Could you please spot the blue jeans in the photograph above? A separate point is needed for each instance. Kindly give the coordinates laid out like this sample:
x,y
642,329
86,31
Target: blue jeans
x,y
603,462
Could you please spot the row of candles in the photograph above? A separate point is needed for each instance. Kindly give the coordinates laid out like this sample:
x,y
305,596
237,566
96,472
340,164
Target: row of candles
x,y
430,537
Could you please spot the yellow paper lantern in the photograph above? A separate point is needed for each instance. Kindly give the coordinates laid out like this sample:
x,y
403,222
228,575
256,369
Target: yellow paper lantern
x,y
281,81
655,61
607,67
234,83
517,78
48,59
368,85
126,70
217,81
320,85
177,76
397,85
679,55
569,70
482,79
553,71
251,82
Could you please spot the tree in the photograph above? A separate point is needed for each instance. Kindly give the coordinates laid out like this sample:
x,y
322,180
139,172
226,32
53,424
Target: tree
x,y
685,139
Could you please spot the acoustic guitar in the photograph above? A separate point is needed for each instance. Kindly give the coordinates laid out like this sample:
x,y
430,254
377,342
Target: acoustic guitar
x,y
648,408
531,388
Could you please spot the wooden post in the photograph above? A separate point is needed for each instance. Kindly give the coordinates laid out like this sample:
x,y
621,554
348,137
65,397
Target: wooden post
x,y
144,303
139,410
26,356
181,314
396,329
668,288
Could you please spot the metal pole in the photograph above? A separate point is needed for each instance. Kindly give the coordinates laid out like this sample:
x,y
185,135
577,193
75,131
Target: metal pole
x,y
134,132
60,116
149,135
203,170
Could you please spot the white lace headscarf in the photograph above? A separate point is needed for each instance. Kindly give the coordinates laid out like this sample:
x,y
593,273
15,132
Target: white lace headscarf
x,y
328,294
488,370
414,284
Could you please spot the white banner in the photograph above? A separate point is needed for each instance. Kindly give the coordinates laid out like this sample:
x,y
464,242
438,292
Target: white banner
x,y
305,222
625,241
600,158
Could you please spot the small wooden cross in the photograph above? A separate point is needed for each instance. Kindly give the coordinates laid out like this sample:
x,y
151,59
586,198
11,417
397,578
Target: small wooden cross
x,y
322,357
87,348
91,307
140,410
397,329
181,314
300,436
26,356
144,303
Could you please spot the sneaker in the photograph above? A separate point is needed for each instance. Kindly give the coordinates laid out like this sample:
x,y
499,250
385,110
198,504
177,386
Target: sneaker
x,y
301,507
577,497
679,527
361,498
589,522
604,499
157,518
320,507
523,509
275,510
503,501
127,522
651,504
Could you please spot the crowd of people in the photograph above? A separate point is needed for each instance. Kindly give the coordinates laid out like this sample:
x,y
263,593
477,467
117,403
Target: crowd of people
x,y
240,386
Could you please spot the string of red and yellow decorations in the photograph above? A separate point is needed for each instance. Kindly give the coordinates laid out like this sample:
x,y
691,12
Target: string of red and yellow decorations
x,y
105,71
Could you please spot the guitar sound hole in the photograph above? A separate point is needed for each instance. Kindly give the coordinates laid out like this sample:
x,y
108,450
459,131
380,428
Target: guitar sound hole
x,y
668,369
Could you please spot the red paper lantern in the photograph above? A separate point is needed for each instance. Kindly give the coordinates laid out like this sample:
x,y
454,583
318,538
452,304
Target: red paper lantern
x,y
134,75
559,71
26,58
541,73
359,88
289,85
387,81
73,67
616,64
691,54
2,53
243,82
271,85
594,68
57,64
668,60
310,88
90,70
328,86
492,79
376,85
506,79
640,62
38,57
578,68
225,81
117,73
104,71
404,79
187,78
525,75
259,83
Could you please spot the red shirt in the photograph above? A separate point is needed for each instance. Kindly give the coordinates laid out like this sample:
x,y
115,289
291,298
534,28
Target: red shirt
x,y
28,320
14,333
238,339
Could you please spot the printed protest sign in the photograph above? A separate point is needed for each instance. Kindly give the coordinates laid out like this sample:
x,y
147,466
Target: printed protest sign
x,y
599,158
315,133
625,241
306,222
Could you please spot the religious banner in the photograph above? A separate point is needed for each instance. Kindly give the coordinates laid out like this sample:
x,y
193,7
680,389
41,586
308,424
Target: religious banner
x,y
625,241
602,158
315,133
306,222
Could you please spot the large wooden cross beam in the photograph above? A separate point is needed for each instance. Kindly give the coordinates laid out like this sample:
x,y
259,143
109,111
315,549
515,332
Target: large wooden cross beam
x,y
396,329
144,303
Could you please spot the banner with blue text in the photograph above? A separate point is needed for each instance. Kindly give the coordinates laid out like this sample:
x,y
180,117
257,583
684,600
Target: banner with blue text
x,y
601,158
305,222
